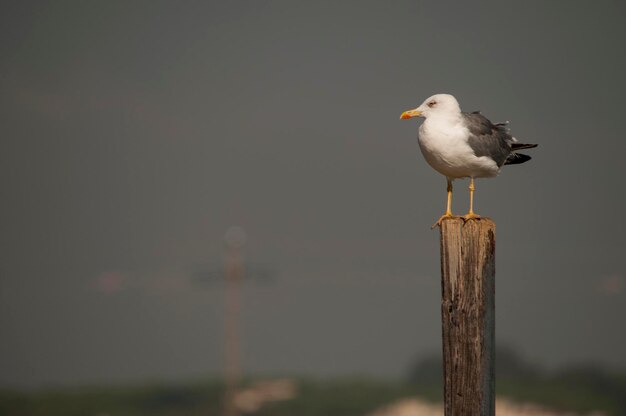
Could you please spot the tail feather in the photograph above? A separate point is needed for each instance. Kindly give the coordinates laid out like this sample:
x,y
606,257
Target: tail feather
x,y
519,146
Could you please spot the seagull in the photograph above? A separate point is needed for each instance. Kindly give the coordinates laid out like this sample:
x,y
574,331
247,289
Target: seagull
x,y
463,145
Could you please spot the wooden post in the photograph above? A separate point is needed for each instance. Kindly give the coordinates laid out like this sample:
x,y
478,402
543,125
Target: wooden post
x,y
468,316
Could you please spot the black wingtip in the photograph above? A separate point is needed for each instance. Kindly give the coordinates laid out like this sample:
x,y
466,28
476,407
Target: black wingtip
x,y
520,146
517,158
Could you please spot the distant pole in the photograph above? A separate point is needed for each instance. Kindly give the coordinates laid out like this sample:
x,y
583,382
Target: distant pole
x,y
468,316
233,268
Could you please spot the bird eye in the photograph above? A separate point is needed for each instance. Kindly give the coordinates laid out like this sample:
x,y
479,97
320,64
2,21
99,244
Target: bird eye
x,y
431,104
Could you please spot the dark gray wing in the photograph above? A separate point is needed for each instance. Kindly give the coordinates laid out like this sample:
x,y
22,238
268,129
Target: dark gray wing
x,y
488,139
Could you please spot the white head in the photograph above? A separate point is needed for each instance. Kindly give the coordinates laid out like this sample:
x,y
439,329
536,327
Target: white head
x,y
438,104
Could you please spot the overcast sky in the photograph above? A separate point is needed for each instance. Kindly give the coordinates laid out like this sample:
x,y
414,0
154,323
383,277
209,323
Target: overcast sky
x,y
134,134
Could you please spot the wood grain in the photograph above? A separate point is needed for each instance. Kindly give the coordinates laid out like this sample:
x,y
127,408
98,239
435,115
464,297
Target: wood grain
x,y
468,312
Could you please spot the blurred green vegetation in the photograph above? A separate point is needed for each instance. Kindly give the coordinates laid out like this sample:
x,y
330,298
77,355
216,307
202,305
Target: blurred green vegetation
x,y
582,389
579,389
181,399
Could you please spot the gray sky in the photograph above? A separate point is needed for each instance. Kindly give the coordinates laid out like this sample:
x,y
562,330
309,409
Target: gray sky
x,y
134,134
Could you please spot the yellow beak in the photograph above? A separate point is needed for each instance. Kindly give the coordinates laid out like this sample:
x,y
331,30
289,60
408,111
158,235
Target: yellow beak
x,y
410,114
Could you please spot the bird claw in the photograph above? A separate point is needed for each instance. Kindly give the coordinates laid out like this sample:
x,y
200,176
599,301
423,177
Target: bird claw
x,y
467,217
470,216
443,217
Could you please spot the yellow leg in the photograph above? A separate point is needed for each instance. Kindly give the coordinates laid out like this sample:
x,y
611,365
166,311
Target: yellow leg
x,y
449,206
471,213
448,213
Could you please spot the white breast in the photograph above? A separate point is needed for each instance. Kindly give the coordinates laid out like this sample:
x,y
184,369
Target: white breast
x,y
443,142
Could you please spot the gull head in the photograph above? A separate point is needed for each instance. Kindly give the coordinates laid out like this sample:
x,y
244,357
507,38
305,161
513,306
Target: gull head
x,y
438,104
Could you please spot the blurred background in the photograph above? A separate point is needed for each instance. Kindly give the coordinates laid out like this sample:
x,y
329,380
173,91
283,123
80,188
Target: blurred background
x,y
150,148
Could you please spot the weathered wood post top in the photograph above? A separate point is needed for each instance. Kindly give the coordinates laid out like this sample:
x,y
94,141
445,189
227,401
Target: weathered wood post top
x,y
468,315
